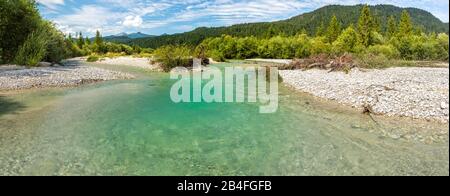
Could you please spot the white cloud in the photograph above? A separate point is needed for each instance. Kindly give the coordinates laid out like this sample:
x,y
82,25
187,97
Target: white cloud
x,y
163,16
51,3
132,21
88,18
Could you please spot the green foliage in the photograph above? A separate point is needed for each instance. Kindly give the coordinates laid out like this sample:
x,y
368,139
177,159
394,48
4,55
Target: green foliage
x,y
98,38
365,27
33,50
80,41
320,30
334,29
309,21
87,41
372,61
93,58
173,56
405,27
347,41
18,19
391,27
56,46
388,51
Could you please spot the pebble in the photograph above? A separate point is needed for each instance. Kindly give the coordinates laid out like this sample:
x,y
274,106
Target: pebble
x,y
17,77
402,91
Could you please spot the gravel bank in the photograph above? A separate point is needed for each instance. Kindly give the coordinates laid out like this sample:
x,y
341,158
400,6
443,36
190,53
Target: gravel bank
x,y
277,61
143,63
408,92
17,77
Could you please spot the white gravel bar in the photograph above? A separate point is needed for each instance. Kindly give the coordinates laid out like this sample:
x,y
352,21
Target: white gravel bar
x,y
144,63
409,92
18,77
277,61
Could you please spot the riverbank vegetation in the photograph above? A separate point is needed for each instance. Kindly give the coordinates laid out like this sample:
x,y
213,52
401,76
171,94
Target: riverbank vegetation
x,y
365,40
27,39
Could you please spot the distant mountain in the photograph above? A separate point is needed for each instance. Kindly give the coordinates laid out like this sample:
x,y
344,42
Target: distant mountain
x,y
124,37
138,35
308,21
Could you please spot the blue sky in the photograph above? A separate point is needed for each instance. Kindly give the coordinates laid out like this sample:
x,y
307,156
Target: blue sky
x,y
173,16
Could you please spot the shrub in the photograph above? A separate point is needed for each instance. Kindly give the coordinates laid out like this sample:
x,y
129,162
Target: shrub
x,y
388,51
18,19
216,56
372,61
346,42
33,50
56,45
92,59
173,56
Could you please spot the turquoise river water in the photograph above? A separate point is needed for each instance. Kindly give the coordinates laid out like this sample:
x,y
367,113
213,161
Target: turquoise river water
x,y
132,127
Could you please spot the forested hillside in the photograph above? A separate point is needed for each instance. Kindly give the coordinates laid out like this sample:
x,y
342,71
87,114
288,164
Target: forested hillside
x,y
310,23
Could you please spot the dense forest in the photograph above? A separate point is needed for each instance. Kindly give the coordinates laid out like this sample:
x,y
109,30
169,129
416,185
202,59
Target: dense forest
x,y
365,40
309,23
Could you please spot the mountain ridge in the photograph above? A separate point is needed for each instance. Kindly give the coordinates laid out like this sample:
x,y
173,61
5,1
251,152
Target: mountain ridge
x,y
346,14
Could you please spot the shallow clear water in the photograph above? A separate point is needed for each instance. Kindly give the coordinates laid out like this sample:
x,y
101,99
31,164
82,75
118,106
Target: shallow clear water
x,y
133,128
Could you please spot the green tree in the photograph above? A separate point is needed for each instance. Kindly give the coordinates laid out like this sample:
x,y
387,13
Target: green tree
x,y
80,41
33,50
18,19
87,41
69,38
334,29
391,27
320,31
272,32
405,27
347,41
98,38
365,27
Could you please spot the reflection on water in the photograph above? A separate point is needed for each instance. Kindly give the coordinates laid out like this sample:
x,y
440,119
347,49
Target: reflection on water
x,y
132,128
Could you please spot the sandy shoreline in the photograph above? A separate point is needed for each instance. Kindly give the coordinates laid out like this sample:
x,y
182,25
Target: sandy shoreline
x,y
407,92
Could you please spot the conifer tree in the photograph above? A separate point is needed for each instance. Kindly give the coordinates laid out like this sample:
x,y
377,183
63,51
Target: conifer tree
x,y
80,42
391,27
98,38
320,31
405,26
365,27
70,39
87,41
334,29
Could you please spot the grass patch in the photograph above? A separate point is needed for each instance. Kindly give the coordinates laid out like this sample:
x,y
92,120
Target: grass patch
x,y
93,59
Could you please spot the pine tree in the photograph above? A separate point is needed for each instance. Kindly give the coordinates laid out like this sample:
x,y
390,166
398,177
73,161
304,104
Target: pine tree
x,y
80,41
272,32
70,39
376,24
391,27
334,29
365,27
303,32
98,39
320,31
405,27
87,41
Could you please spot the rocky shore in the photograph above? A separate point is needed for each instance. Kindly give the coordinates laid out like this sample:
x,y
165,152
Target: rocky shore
x,y
14,77
408,92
